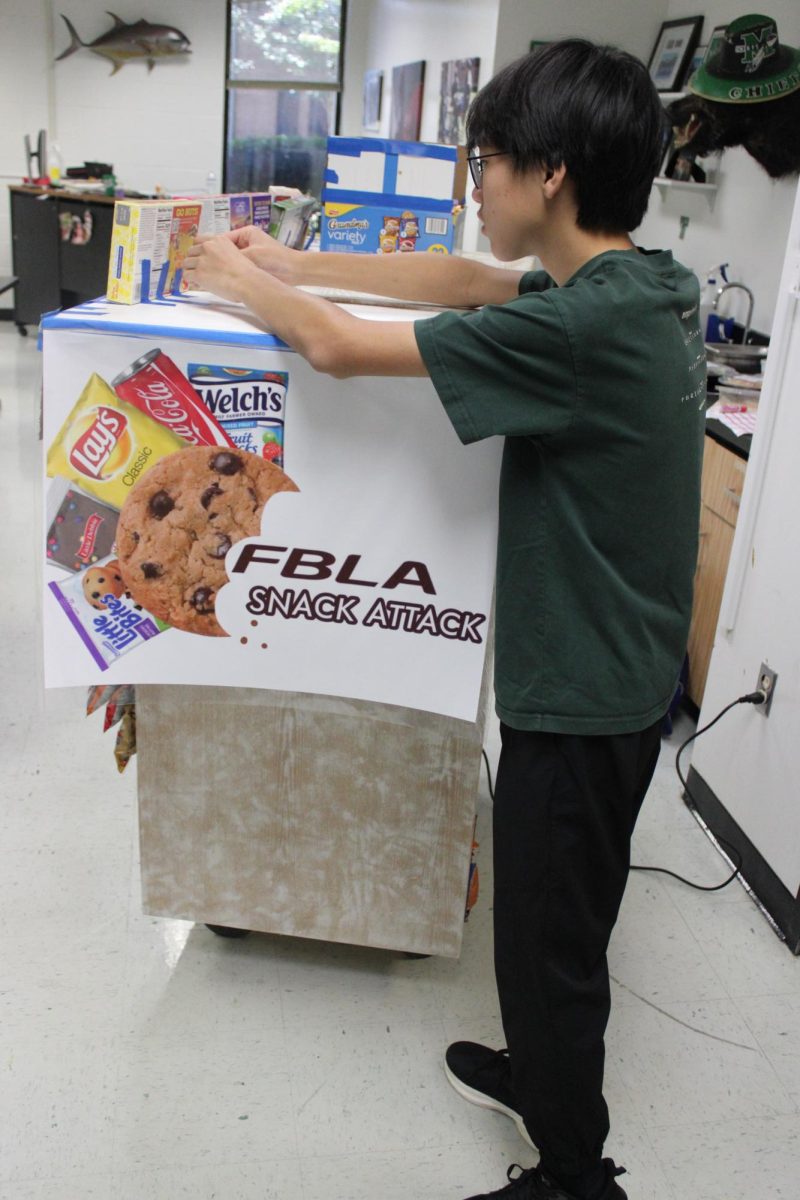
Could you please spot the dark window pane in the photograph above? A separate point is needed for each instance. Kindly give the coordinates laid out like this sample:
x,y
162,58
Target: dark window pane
x,y
278,136
277,41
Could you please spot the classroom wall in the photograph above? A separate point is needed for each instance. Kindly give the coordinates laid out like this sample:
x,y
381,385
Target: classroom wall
x,y
162,127
752,763
167,127
747,222
392,32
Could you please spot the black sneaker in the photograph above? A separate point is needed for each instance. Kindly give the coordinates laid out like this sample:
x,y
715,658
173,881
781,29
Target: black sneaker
x,y
483,1076
533,1184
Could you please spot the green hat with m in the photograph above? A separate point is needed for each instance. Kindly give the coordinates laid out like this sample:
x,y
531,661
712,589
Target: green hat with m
x,y
747,64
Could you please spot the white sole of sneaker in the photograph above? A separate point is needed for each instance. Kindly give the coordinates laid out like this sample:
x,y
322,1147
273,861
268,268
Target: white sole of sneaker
x,y
484,1101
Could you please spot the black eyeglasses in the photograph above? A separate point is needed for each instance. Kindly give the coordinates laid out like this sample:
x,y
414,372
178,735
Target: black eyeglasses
x,y
476,162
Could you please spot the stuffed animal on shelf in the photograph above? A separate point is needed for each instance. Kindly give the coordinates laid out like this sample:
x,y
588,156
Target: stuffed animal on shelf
x,y
745,93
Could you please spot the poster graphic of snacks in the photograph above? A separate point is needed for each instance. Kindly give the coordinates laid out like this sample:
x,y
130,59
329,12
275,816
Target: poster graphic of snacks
x,y
148,493
248,403
179,523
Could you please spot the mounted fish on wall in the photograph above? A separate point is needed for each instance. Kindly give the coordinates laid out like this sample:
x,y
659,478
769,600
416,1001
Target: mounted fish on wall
x,y
135,42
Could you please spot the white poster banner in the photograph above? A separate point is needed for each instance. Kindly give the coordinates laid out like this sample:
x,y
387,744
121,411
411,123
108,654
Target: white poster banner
x,y
217,512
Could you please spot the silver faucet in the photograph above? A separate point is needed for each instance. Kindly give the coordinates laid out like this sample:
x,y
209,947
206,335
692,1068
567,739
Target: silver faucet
x,y
726,287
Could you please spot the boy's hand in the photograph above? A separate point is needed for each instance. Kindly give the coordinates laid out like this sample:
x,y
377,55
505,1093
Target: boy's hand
x,y
215,264
268,254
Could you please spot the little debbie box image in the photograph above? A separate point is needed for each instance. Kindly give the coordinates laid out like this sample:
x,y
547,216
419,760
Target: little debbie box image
x,y
383,196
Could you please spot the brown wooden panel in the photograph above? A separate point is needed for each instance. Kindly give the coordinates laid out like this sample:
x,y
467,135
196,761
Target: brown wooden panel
x,y
716,540
723,481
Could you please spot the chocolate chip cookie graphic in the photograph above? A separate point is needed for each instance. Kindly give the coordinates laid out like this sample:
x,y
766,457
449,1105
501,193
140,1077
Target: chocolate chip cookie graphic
x,y
178,524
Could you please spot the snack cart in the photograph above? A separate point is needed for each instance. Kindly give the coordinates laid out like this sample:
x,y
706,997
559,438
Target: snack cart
x,y
310,696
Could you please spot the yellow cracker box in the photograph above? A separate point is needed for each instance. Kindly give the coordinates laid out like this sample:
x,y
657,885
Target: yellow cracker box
x,y
106,445
149,239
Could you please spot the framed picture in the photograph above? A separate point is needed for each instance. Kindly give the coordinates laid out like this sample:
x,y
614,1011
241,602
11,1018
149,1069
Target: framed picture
x,y
459,88
408,82
373,92
673,52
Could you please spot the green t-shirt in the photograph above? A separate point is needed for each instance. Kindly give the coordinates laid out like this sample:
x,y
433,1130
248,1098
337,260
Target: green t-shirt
x,y
599,388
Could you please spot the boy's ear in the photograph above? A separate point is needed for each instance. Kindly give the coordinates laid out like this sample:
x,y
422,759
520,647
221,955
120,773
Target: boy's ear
x,y
554,180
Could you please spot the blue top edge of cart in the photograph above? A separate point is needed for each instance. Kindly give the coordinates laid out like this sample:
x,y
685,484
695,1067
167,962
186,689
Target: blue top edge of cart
x,y
186,320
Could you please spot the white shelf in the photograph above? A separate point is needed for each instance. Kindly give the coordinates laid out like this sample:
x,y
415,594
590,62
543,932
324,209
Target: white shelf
x,y
687,185
664,185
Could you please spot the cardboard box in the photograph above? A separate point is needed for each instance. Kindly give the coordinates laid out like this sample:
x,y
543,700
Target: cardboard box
x,y
149,240
383,196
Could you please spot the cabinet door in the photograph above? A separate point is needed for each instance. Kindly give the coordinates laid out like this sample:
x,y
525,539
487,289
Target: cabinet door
x,y
84,265
716,539
723,480
34,239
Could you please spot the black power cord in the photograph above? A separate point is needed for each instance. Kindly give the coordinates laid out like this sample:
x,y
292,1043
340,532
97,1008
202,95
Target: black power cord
x,y
757,697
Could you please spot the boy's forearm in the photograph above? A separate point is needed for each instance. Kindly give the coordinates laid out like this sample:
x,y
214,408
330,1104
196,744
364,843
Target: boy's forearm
x,y
438,279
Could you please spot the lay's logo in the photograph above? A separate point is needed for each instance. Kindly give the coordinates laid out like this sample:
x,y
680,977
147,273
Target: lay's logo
x,y
103,445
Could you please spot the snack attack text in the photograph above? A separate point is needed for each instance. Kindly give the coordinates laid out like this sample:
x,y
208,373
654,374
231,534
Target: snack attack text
x,y
315,566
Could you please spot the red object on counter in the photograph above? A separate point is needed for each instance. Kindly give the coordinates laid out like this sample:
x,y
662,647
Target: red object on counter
x,y
156,386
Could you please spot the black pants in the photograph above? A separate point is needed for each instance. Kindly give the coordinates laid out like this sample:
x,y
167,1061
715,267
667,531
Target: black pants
x,y
564,811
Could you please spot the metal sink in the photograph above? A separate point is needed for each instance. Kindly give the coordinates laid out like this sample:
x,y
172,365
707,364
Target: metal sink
x,y
743,358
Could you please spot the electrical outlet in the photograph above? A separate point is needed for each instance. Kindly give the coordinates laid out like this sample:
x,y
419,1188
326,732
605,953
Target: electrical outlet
x,y
767,678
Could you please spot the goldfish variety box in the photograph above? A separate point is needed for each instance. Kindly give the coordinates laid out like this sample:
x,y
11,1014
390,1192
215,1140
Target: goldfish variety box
x,y
384,196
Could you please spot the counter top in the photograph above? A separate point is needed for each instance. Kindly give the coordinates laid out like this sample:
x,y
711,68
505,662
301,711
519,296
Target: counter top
x,y
66,193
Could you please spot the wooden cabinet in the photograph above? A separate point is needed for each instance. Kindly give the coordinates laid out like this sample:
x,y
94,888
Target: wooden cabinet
x,y
721,493
52,273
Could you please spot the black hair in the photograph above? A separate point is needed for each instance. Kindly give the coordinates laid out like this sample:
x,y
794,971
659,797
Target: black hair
x,y
592,108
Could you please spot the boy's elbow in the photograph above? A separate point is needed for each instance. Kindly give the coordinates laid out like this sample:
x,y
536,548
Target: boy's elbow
x,y
330,356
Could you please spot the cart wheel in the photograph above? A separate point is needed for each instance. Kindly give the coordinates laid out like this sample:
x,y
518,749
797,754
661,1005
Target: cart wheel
x,y
228,931
22,329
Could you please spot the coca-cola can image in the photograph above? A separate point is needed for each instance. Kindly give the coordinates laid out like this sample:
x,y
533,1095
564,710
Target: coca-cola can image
x,y
156,386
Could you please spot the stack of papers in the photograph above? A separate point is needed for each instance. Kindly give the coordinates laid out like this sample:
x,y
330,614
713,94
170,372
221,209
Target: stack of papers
x,y
739,422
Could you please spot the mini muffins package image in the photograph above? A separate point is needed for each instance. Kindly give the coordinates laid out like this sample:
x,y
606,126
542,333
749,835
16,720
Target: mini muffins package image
x,y
103,614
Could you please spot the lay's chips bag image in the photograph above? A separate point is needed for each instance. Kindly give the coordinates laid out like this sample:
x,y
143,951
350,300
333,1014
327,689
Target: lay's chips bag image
x,y
105,445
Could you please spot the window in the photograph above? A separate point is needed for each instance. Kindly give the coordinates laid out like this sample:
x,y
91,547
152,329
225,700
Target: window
x,y
283,88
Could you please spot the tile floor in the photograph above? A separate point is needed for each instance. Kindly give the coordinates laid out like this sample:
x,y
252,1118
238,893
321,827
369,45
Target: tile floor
x,y
146,1059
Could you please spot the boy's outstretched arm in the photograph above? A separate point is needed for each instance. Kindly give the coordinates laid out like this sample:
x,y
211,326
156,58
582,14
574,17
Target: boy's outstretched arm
x,y
332,340
436,278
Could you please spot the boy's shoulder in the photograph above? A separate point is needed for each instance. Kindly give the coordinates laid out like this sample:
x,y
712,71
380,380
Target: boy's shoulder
x,y
612,275
638,266
639,281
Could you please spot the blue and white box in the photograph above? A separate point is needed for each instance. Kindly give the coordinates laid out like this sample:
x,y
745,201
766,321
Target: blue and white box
x,y
383,196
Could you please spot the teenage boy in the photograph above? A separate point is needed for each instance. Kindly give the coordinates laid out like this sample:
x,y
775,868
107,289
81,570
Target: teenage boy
x,y
593,371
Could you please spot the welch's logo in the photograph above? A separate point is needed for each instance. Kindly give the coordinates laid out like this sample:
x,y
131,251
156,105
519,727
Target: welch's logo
x,y
234,392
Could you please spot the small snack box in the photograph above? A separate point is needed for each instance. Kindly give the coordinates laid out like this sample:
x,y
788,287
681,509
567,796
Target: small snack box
x,y
383,196
149,240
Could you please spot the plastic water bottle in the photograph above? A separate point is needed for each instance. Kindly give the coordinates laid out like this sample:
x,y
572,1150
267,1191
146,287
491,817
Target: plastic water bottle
x,y
709,295
211,183
55,167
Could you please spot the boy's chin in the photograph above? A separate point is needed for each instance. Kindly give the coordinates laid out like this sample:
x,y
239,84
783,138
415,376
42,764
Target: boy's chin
x,y
508,253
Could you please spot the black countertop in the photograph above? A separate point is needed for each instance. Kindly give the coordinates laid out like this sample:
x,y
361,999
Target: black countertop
x,y
727,438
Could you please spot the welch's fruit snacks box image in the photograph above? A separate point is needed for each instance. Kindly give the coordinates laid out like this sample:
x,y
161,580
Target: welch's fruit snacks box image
x,y
383,196
249,405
